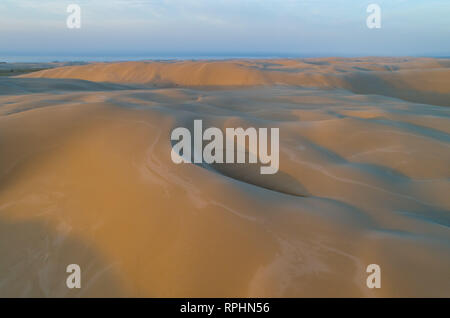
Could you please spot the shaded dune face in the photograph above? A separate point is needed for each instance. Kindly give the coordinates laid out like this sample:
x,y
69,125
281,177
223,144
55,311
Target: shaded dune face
x,y
86,177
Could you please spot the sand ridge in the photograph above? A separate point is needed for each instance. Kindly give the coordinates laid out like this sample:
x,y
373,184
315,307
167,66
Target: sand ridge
x,y
420,80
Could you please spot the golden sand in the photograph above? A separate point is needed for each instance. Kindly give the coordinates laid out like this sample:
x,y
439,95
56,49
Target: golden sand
x,y
86,177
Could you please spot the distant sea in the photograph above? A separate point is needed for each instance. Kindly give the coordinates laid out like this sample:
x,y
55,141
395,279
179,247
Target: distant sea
x,y
114,58
78,58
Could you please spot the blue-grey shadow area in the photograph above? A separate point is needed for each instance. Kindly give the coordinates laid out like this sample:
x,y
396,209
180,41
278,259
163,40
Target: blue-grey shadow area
x,y
34,259
20,86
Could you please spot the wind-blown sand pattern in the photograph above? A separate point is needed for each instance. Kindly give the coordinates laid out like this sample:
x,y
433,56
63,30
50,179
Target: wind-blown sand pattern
x,y
86,178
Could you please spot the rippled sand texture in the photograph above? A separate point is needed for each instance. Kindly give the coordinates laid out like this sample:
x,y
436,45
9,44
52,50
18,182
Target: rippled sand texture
x,y
86,177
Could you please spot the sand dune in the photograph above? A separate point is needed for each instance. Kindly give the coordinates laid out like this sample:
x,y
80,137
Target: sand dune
x,y
86,178
417,80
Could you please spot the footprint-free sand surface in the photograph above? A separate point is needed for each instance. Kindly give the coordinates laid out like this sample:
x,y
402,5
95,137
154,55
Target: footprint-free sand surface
x,y
86,178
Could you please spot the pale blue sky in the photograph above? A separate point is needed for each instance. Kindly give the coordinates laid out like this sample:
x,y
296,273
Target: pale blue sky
x,y
225,27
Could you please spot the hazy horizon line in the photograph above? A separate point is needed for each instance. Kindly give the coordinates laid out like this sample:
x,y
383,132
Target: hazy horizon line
x,y
41,57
